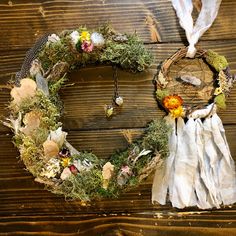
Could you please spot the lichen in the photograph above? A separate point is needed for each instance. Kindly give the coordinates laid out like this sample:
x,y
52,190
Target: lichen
x,y
217,61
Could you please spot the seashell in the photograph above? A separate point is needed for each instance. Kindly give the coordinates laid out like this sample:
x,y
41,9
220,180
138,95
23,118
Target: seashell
x,y
50,148
191,80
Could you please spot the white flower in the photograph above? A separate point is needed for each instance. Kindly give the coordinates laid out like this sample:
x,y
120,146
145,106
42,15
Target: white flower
x,y
58,136
51,169
53,38
107,173
97,39
75,37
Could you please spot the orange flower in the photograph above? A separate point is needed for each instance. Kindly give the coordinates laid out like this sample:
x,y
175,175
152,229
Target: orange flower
x,y
177,112
172,102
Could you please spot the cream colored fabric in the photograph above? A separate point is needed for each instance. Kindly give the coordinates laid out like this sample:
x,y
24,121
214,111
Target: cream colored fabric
x,y
199,170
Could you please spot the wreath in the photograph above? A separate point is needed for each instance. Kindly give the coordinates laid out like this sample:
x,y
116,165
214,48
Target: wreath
x,y
35,111
211,84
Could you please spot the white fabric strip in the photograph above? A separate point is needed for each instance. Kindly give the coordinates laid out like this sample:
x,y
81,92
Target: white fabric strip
x,y
205,19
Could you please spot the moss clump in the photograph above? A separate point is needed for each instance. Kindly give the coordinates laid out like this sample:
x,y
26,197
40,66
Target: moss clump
x,y
217,61
220,101
128,54
84,186
131,55
156,137
161,94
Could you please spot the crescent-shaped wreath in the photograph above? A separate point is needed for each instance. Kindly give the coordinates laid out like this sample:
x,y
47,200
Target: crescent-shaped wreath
x,y
35,113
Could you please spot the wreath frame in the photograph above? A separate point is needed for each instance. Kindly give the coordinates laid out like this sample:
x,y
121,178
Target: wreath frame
x,y
223,83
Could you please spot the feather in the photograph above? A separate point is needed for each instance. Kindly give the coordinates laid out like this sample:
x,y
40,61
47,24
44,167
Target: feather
x,y
30,56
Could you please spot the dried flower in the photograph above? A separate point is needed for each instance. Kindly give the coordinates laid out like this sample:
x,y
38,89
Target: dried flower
x,y
66,161
73,170
177,112
64,153
66,173
75,37
31,121
53,38
97,39
107,172
218,91
87,46
85,36
58,136
51,169
172,101
50,148
26,90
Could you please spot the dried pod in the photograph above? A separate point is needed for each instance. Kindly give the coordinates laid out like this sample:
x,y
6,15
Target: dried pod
x,y
109,110
107,173
119,101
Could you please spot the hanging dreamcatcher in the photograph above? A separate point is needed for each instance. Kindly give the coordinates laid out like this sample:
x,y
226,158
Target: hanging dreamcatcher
x,y
191,86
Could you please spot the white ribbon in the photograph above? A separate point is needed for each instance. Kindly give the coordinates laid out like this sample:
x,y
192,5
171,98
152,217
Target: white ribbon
x,y
205,19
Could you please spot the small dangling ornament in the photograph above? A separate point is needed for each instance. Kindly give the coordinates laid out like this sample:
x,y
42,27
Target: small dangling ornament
x,y
117,100
109,110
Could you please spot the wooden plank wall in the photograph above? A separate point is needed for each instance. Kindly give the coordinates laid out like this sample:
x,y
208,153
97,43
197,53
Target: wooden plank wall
x,y
25,207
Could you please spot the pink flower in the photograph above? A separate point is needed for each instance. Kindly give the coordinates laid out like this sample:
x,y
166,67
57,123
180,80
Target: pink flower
x,y
126,169
87,46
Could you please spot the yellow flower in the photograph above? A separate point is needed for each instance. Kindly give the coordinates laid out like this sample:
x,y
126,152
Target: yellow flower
x,y
172,101
65,161
177,112
218,91
84,36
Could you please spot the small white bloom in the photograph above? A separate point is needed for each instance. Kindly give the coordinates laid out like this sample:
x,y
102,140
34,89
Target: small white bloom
x,y
75,37
58,136
97,39
51,169
53,38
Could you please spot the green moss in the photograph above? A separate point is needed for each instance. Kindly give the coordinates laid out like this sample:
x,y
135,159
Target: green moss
x,y
156,137
31,155
131,55
216,61
220,101
161,94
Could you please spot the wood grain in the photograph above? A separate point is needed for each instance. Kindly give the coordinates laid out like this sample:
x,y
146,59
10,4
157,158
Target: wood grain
x,y
93,88
22,23
25,207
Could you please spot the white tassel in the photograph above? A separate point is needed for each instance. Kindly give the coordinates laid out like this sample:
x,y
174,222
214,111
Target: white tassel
x,y
199,170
